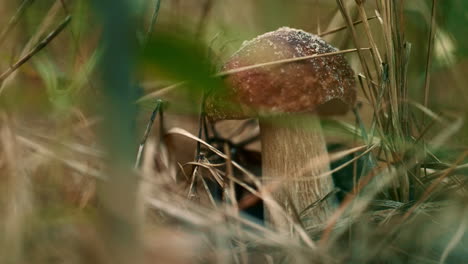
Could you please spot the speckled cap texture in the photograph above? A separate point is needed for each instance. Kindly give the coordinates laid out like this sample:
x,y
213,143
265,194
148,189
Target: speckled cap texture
x,y
324,85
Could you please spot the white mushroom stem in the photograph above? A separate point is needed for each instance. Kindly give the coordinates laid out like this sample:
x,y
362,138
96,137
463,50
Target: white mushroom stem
x,y
293,155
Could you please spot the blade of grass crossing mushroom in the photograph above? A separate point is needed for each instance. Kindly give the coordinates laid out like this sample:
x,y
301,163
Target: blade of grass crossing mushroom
x,y
172,87
215,173
85,169
276,62
231,193
234,208
390,33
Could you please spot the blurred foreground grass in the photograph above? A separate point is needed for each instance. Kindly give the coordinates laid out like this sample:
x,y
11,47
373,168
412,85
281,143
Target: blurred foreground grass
x,y
78,95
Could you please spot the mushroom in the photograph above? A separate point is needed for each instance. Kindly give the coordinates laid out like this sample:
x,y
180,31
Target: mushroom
x,y
287,98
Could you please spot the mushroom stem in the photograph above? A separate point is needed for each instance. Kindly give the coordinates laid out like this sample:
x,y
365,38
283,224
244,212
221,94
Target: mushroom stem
x,y
293,154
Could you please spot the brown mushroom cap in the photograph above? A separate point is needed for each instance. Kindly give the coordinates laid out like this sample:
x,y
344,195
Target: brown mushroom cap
x,y
325,85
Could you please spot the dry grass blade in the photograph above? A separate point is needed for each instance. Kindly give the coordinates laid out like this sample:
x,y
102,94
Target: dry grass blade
x,y
42,44
170,88
45,24
14,19
450,171
375,50
157,110
16,200
432,33
433,186
194,214
76,165
331,31
265,192
359,49
277,62
185,215
215,173
459,233
182,132
428,112
353,204
74,146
